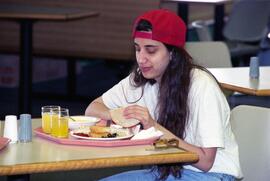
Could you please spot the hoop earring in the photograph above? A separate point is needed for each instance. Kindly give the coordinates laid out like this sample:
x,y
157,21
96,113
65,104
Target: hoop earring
x,y
139,71
171,55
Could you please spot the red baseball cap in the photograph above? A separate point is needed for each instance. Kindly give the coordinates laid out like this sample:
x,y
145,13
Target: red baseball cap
x,y
167,27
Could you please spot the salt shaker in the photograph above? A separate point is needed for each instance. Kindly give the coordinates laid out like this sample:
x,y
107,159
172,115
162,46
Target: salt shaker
x,y
254,68
25,128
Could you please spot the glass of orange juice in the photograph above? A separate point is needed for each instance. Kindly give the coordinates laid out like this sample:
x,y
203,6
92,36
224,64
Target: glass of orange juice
x,y
47,114
60,123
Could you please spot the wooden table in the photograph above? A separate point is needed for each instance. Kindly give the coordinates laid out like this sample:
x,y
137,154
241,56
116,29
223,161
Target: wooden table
x,y
41,155
237,79
26,15
182,8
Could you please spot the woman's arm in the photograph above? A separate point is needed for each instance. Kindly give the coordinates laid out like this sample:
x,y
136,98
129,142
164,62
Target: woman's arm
x,y
98,109
206,155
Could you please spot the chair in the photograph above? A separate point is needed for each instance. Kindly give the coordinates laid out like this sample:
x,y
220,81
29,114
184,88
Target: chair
x,y
251,126
244,29
212,54
202,30
247,21
209,54
264,54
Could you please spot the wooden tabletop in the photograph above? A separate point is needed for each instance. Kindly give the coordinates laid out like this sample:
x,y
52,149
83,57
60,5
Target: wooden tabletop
x,y
27,11
42,155
200,1
237,79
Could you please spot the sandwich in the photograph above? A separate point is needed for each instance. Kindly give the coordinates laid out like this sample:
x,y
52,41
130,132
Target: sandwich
x,y
118,118
108,132
101,132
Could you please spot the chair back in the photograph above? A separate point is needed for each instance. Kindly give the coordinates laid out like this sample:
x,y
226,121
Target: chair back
x,y
247,21
251,127
202,30
210,54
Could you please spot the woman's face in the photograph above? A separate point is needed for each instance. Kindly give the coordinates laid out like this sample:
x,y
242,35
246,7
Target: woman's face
x,y
152,57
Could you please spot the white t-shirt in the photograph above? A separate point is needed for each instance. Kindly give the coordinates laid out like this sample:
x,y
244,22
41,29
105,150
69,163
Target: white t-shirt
x,y
208,124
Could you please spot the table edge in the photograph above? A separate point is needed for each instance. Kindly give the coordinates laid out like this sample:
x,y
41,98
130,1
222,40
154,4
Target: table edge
x,y
211,3
261,92
98,163
53,17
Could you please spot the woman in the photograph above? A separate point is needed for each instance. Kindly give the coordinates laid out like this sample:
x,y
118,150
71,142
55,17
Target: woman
x,y
165,87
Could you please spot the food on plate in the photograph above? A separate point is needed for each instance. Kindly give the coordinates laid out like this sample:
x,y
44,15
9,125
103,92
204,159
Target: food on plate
x,y
81,134
100,129
83,131
118,118
102,132
76,122
99,132
99,135
103,135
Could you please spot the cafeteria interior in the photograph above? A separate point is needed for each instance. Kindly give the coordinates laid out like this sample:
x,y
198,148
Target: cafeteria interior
x,y
100,59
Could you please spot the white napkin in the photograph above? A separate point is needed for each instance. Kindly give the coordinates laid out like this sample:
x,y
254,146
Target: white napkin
x,y
148,133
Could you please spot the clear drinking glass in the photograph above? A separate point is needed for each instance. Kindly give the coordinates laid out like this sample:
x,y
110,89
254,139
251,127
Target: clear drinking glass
x,y
60,123
47,114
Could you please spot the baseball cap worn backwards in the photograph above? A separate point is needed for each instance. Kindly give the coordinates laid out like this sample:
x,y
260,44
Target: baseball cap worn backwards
x,y
167,27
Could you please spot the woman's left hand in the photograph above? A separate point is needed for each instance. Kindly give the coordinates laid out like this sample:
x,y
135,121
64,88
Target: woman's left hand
x,y
140,113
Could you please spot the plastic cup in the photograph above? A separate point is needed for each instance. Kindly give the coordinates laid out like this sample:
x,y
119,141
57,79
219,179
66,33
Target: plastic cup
x,y
47,114
11,128
25,128
60,123
254,68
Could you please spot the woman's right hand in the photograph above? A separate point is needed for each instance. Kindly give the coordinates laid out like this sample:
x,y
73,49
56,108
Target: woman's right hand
x,y
140,113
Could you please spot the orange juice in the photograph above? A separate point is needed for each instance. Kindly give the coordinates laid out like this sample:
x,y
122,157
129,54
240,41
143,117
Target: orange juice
x,y
47,113
59,127
47,122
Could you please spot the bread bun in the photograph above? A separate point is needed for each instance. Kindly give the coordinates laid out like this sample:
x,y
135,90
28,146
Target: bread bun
x,y
118,118
98,135
99,129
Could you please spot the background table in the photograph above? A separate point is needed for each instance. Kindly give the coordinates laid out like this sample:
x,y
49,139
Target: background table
x,y
237,79
42,155
26,15
182,8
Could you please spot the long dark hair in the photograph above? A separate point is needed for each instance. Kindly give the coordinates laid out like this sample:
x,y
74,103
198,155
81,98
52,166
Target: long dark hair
x,y
173,109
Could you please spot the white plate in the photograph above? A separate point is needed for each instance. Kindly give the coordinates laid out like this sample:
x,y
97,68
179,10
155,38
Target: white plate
x,y
81,121
100,139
